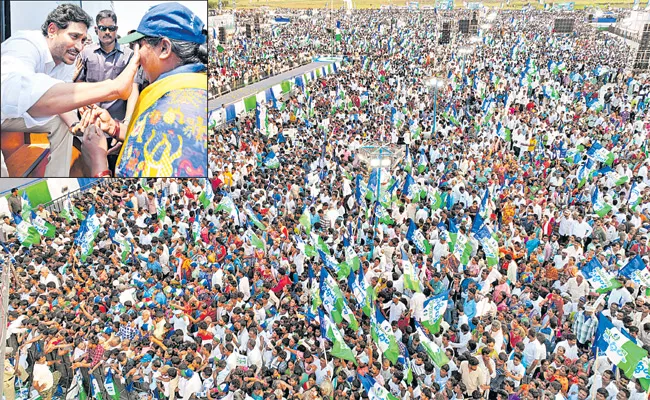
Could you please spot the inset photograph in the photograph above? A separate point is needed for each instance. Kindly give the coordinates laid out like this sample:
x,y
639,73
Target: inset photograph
x,y
104,88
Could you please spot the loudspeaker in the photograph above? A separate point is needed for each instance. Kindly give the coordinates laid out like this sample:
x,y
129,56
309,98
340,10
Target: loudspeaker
x,y
463,25
590,18
446,33
563,25
248,31
642,60
473,26
257,24
222,35
644,44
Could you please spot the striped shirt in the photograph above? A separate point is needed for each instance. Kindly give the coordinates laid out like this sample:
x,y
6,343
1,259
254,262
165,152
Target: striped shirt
x,y
584,327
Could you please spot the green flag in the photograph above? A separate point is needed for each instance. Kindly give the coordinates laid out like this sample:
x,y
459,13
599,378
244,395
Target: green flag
x,y
78,214
66,212
411,280
434,351
255,240
382,333
340,349
43,227
27,234
305,221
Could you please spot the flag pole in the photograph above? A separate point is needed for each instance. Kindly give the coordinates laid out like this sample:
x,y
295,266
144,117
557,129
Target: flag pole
x,y
593,387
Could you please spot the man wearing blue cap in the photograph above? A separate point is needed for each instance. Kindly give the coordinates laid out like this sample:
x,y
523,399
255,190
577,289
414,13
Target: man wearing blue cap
x,y
167,134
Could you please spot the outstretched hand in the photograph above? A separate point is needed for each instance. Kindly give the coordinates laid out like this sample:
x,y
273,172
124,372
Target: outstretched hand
x,y
124,82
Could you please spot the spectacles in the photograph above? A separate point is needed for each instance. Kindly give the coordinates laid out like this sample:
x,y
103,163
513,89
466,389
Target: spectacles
x,y
107,28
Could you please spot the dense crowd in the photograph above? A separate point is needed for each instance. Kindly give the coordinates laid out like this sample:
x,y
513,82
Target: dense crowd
x,y
503,254
275,49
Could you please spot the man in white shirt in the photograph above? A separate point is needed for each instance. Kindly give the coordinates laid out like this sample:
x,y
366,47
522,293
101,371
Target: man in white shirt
x,y
581,229
37,90
570,347
576,287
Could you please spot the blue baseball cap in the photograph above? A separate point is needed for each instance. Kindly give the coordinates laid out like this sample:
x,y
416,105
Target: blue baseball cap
x,y
171,20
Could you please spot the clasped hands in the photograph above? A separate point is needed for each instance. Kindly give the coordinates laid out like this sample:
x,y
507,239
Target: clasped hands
x,y
92,125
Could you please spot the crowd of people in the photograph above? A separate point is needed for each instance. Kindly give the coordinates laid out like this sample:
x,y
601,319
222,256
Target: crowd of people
x,y
502,254
242,60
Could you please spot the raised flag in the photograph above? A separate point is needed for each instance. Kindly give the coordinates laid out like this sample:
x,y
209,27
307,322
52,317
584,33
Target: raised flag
x,y
360,189
27,234
26,207
196,229
363,293
226,204
76,390
599,277
351,256
66,212
584,172
262,119
600,207
637,271
573,156
634,198
342,270
619,347
331,296
374,389
462,248
412,190
78,214
271,160
408,161
254,240
162,211
411,280
253,217
207,195
305,221
382,333
433,310
43,227
87,233
125,249
382,215
598,153
340,349
490,245
434,351
422,163
415,236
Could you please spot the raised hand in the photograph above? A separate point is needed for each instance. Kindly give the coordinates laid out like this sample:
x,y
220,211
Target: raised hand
x,y
124,82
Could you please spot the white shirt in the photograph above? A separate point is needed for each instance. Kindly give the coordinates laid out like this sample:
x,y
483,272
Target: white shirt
x,y
571,352
532,352
28,71
417,305
581,230
43,375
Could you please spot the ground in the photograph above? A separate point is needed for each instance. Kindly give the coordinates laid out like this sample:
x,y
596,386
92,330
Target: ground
x,y
514,4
